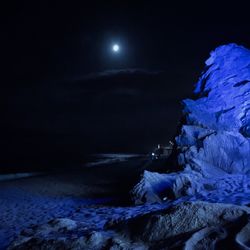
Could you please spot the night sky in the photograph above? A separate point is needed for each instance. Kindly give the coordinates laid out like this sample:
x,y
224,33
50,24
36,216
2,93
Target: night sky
x,y
65,94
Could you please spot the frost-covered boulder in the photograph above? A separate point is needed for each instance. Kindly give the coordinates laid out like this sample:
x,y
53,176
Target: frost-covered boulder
x,y
184,218
152,187
156,188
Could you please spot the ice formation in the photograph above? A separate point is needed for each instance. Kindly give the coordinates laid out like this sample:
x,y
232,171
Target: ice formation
x,y
213,145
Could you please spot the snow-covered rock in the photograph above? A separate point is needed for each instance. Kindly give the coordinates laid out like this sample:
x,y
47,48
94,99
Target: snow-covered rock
x,y
187,217
217,123
157,188
152,188
213,145
215,139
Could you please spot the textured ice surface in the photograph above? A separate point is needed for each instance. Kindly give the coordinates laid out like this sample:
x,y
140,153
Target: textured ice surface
x,y
214,142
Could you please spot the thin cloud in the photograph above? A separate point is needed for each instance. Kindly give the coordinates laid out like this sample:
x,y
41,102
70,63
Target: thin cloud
x,y
120,72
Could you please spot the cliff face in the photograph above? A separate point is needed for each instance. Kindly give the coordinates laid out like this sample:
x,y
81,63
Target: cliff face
x,y
217,128
214,142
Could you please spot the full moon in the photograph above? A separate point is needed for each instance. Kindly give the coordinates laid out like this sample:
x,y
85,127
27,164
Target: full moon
x,y
115,48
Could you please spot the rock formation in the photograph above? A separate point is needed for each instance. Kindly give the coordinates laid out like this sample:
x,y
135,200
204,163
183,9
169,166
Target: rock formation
x,y
214,142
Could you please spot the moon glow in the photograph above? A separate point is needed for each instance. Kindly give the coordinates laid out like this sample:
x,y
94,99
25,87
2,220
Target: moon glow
x,y
116,48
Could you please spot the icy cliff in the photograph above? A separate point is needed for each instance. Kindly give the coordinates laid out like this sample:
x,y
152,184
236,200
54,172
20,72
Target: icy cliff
x,y
214,142
217,126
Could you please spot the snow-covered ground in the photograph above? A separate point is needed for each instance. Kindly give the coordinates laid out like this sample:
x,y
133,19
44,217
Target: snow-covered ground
x,y
20,209
87,195
39,199
83,194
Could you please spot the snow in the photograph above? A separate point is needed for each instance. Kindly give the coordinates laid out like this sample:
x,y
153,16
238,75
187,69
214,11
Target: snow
x,y
37,200
20,208
194,224
213,144
152,187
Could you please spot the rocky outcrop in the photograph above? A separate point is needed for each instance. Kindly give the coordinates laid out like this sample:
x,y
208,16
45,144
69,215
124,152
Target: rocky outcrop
x,y
157,188
218,122
152,188
197,225
215,139
214,142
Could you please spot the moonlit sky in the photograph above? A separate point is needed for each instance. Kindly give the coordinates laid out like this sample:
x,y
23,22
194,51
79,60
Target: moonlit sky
x,y
67,92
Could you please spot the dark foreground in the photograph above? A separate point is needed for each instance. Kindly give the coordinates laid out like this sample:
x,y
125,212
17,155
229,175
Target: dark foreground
x,y
37,199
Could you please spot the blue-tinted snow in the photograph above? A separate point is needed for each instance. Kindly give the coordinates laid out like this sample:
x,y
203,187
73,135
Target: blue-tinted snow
x,y
214,144
21,208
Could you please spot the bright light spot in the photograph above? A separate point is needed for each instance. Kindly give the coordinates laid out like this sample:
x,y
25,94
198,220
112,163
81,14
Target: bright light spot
x,y
116,48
